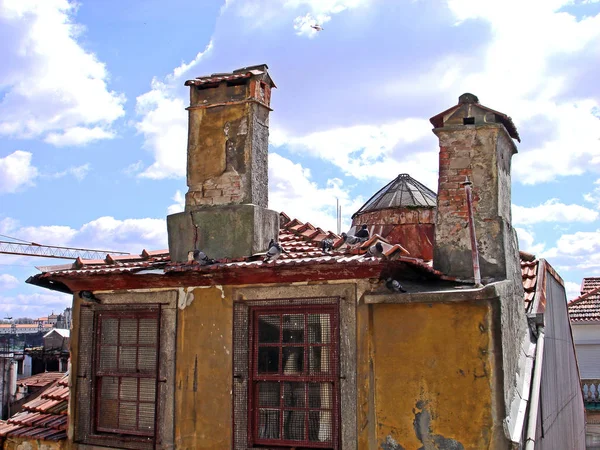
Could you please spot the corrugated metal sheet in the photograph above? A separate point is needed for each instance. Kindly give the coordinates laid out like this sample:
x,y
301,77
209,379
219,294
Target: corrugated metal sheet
x,y
561,423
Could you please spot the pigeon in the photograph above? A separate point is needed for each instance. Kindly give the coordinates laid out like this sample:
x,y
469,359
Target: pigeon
x,y
352,240
88,296
275,250
201,258
376,250
363,233
394,285
317,27
327,245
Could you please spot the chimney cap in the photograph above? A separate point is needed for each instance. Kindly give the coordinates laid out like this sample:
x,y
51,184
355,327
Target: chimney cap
x,y
468,98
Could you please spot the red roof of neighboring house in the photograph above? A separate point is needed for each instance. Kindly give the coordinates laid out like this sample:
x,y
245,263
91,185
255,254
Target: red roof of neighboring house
x,y
43,418
589,283
586,307
529,273
41,379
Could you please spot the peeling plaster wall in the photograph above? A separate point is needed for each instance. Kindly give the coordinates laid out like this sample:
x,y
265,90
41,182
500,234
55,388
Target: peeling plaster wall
x,y
435,377
14,443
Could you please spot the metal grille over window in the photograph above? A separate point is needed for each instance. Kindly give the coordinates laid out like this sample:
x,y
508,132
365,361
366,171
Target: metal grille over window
x,y
126,369
294,375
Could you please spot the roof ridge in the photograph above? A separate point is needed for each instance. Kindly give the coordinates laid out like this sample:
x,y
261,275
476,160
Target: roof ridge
x,y
583,296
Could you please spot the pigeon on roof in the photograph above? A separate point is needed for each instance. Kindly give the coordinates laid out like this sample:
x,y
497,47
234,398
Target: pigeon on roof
x,y
376,250
352,240
363,233
326,245
394,285
275,250
201,258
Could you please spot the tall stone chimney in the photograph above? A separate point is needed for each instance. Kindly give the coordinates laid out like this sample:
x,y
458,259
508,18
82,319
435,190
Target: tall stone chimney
x,y
475,142
226,213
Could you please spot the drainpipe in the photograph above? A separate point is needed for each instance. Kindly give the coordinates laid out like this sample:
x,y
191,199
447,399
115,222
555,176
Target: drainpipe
x,y
535,392
474,251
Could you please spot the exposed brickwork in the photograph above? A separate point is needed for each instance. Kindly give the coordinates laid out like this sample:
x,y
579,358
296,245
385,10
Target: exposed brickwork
x,y
224,190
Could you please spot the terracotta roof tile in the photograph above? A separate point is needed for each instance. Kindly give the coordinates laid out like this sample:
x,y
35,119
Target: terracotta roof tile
x,y
44,417
586,307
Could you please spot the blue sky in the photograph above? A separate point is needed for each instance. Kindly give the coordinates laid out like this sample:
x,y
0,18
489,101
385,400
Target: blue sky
x,y
93,126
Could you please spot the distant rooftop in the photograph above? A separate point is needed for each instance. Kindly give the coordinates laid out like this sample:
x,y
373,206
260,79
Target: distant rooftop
x,y
404,191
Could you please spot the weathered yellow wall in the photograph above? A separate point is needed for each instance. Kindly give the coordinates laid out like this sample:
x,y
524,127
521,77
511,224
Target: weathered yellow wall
x,y
32,444
203,378
433,370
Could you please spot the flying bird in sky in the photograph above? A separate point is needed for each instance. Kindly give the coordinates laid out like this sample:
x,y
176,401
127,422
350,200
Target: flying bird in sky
x,y
317,27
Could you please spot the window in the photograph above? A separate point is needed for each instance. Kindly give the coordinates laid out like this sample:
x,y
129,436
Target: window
x,y
293,376
123,380
125,372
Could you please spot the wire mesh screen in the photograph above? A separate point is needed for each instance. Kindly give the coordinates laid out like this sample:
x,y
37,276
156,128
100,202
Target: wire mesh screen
x,y
126,365
290,355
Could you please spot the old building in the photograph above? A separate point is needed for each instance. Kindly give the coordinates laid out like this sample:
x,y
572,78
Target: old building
x,y
312,349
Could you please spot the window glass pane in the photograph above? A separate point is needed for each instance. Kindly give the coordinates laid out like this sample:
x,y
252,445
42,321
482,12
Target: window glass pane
x,y
109,387
293,360
319,426
318,360
293,394
293,425
319,329
108,413
293,328
109,329
129,389
148,331
127,362
108,358
268,424
268,360
268,393
320,395
268,329
128,331
147,359
147,389
128,415
146,417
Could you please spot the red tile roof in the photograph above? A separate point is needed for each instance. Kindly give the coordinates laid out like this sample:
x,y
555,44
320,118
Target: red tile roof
x,y
41,379
589,283
300,241
586,307
43,418
529,273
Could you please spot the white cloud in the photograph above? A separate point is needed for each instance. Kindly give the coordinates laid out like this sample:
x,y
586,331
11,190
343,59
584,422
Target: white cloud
x,y
179,204
104,233
292,191
573,290
163,122
527,241
77,172
53,87
371,151
522,72
16,171
34,305
8,281
552,211
78,136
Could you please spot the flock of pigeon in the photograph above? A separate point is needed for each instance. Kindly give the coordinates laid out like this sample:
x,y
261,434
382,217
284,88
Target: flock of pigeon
x,y
275,250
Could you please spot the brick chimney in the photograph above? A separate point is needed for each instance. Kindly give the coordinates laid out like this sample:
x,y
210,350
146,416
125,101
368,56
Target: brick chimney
x,y
475,142
226,213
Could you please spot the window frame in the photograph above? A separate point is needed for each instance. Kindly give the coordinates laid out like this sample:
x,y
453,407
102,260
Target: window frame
x,y
82,371
244,383
98,374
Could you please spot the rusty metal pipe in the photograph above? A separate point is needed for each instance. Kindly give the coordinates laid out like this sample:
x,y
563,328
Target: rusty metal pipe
x,y
474,250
